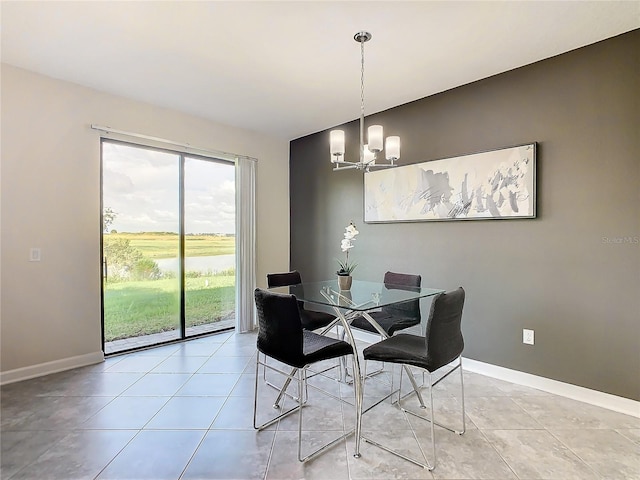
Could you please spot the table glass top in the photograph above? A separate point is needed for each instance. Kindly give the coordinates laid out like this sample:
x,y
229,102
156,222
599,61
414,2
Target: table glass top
x,y
362,296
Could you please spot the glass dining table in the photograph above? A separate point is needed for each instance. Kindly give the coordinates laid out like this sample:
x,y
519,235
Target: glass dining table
x,y
361,299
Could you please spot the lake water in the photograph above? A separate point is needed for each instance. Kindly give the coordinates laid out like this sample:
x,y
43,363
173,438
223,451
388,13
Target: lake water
x,y
214,263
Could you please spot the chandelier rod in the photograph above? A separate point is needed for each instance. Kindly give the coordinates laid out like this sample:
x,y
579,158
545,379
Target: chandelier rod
x,y
362,37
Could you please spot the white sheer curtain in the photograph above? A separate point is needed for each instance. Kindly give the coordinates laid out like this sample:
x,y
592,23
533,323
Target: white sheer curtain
x,y
245,243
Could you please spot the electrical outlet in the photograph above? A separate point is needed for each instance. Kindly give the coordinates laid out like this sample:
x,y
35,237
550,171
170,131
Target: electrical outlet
x,y
35,255
527,336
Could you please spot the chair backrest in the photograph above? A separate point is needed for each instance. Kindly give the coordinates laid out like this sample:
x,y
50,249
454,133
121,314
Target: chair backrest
x,y
283,279
279,326
409,309
444,340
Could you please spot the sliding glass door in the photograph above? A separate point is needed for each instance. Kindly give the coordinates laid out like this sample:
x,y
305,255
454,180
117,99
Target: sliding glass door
x,y
209,245
168,245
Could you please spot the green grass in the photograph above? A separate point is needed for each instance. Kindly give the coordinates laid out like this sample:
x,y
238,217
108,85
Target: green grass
x,y
165,245
141,308
136,308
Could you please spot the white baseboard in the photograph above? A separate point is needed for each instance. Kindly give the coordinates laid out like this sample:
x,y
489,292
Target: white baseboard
x,y
593,397
582,394
33,371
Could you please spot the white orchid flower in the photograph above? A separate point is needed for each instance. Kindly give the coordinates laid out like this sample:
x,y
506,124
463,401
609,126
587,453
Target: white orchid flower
x,y
351,231
346,244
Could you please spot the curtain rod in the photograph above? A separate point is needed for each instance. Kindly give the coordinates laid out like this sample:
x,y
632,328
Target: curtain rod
x,y
217,153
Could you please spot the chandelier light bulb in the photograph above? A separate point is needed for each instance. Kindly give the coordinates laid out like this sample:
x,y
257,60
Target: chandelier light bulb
x,y
375,136
392,148
336,139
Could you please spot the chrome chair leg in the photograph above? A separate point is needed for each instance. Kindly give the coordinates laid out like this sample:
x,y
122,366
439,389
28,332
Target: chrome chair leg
x,y
464,422
281,389
302,380
431,419
424,463
433,384
276,405
300,375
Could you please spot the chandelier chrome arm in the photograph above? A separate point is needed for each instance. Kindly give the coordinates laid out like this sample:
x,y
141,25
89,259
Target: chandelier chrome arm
x,y
364,165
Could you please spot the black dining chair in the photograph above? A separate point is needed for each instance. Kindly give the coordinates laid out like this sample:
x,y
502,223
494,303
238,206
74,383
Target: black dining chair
x,y
311,319
395,317
441,345
282,338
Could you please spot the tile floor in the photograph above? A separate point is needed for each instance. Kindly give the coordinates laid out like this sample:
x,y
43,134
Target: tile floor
x,y
184,411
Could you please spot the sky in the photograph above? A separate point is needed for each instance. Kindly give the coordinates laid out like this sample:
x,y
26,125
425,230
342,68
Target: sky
x,y
141,186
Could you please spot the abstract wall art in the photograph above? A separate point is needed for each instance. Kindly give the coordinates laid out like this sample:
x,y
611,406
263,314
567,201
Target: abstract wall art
x,y
499,184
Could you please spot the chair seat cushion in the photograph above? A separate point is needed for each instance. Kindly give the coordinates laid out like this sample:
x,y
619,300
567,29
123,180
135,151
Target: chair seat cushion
x,y
312,320
389,323
403,348
320,347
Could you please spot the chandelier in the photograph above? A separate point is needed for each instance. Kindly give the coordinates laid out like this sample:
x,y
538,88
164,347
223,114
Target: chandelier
x,y
368,151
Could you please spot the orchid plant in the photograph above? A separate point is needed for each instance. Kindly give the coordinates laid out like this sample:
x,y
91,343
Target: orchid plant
x,y
347,244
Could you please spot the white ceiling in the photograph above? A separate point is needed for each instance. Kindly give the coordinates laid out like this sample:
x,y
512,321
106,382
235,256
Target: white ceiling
x,y
291,68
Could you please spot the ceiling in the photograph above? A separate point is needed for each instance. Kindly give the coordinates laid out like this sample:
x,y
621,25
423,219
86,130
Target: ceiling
x,y
291,68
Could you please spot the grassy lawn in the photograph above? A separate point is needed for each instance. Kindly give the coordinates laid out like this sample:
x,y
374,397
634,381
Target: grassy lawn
x,y
165,245
135,308
142,308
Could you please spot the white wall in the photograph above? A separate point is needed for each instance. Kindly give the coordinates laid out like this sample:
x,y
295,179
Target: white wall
x,y
50,198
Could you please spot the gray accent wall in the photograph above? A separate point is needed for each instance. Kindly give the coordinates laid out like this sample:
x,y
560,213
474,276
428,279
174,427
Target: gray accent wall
x,y
572,274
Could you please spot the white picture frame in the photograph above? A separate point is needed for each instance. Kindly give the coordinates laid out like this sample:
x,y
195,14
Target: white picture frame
x,y
498,184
